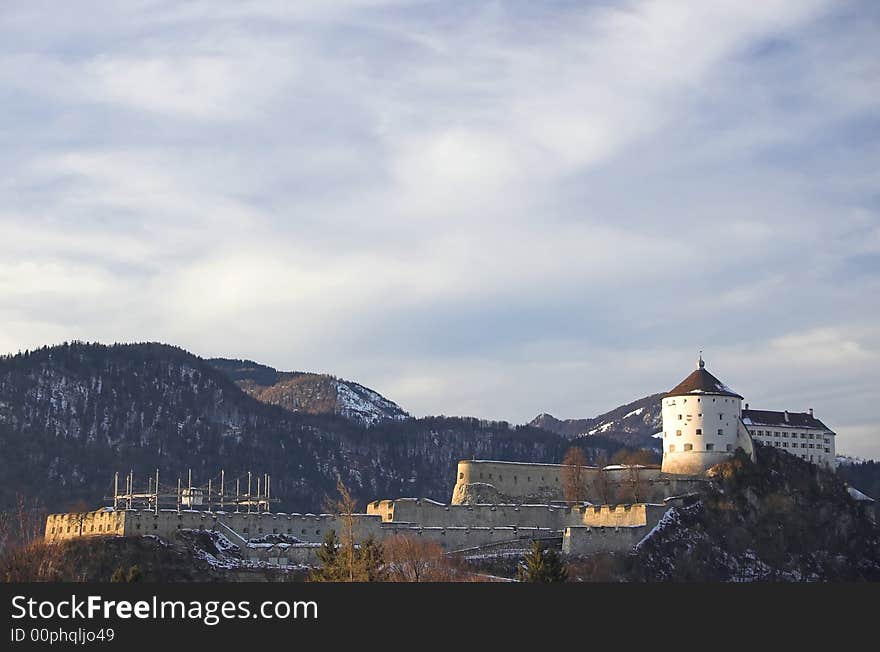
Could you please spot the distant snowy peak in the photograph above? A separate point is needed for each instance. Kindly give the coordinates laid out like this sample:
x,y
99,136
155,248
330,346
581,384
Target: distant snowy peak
x,y
633,424
311,393
359,403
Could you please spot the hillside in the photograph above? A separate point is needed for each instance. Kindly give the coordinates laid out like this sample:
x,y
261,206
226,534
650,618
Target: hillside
x,y
863,474
632,424
781,519
310,393
71,415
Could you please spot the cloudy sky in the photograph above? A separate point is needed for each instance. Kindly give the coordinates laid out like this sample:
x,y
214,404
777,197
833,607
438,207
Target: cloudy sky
x,y
485,208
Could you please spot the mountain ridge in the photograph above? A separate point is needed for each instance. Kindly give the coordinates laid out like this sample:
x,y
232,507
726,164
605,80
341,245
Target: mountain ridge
x,y
72,414
633,423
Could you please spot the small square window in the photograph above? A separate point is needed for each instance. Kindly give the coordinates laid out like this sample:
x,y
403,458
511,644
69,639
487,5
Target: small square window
x,y
699,431
710,447
689,447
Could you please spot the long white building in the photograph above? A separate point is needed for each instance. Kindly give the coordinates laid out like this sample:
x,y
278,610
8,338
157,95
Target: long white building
x,y
798,433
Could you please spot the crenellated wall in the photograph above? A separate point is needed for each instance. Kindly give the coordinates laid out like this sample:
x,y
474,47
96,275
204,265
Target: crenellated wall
x,y
611,529
106,522
309,528
454,527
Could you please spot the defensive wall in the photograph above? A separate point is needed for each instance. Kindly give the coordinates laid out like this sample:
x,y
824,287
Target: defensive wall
x,y
552,517
241,529
612,531
637,497
482,481
134,522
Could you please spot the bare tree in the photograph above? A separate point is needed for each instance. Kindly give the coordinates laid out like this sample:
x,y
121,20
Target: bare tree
x,y
344,507
410,559
635,481
24,554
574,475
601,483
635,460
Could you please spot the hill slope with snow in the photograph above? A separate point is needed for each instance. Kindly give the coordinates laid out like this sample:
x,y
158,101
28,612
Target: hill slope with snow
x,y
310,393
632,424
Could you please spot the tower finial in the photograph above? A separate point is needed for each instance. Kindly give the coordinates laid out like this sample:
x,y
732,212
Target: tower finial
x,y
700,363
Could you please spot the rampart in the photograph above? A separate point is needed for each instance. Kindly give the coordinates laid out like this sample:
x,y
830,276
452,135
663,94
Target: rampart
x,y
429,513
629,500
242,528
107,522
612,529
480,481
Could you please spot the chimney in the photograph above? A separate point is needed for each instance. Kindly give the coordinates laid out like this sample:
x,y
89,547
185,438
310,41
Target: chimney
x,y
786,416
747,406
811,412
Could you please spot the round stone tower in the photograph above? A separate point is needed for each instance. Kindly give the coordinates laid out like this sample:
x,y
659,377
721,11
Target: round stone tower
x,y
702,424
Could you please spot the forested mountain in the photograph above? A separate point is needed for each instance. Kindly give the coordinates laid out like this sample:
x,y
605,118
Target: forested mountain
x,y
73,414
298,391
632,424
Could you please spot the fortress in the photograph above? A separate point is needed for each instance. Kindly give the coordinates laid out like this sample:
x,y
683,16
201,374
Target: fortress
x,y
495,505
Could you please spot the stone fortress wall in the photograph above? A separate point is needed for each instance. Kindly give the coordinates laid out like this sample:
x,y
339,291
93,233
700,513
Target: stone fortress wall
x,y
483,481
310,528
455,527
551,517
307,530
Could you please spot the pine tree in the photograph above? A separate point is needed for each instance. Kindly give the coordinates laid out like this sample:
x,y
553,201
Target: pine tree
x,y
541,565
371,561
328,554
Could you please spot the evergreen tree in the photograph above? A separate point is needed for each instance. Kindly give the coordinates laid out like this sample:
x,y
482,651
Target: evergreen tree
x,y
371,561
540,565
328,555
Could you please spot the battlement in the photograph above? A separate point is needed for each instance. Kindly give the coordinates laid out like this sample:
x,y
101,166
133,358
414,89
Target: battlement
x,y
456,526
109,522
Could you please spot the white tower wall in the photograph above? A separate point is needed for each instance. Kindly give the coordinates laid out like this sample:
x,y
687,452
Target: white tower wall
x,y
699,431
